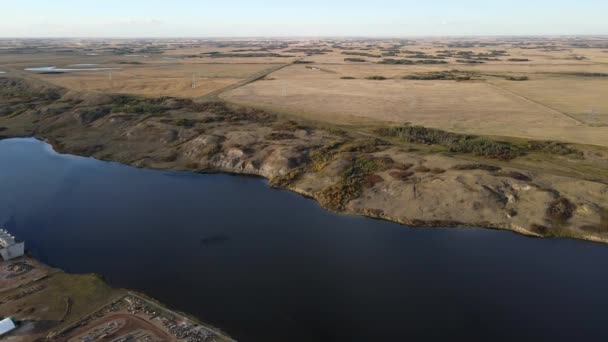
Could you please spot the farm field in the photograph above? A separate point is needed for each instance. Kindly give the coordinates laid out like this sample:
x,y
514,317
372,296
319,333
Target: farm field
x,y
541,108
139,75
158,80
535,88
583,98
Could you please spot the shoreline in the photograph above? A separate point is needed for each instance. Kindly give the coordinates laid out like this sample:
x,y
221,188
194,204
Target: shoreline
x,y
411,184
408,224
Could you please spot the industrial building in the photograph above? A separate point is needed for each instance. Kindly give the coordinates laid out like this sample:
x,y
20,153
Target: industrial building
x,y
9,247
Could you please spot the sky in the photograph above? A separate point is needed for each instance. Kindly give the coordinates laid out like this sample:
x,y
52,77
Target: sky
x,y
305,18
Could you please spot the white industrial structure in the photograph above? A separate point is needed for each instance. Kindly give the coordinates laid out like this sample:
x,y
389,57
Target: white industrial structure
x,y
6,325
9,248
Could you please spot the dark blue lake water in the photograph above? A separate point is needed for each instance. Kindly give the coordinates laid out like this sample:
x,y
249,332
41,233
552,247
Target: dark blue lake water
x,y
269,265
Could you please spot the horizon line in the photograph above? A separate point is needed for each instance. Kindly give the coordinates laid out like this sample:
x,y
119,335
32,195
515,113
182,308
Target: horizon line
x,y
599,35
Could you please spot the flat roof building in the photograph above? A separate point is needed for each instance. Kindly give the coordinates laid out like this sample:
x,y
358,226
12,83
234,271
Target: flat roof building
x,y
6,325
9,247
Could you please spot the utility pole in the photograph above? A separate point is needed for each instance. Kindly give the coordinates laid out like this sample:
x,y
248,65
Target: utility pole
x,y
193,80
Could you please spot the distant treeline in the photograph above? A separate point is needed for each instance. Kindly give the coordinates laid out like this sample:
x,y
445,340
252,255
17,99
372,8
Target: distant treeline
x,y
480,146
216,54
411,62
462,143
352,59
309,51
363,54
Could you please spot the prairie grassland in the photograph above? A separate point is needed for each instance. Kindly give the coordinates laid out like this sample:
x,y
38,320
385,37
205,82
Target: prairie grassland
x,y
554,102
476,107
553,99
126,83
583,98
154,79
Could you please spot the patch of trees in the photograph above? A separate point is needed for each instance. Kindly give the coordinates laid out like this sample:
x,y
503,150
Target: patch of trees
x,y
413,52
353,59
249,50
280,136
20,92
222,112
149,50
553,147
587,74
476,166
480,146
509,77
122,51
431,61
390,53
560,211
423,55
588,46
346,48
359,173
309,52
455,142
139,108
397,61
470,55
246,45
88,115
376,78
440,75
463,45
469,61
217,54
362,54
516,78
410,62
86,150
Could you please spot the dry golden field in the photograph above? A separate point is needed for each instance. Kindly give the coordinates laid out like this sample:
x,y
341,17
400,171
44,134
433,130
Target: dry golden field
x,y
581,98
151,76
544,108
563,94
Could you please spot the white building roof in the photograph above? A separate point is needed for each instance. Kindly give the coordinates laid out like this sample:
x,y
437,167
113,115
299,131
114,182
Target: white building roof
x,y
6,239
6,325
